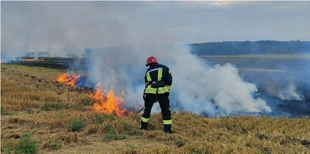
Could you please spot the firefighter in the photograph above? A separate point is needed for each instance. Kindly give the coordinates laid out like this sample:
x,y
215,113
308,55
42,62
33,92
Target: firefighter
x,y
158,81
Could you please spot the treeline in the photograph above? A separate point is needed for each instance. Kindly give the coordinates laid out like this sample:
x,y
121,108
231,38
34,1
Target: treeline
x,y
248,47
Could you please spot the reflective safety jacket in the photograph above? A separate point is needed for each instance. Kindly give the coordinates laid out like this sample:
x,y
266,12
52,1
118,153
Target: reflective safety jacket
x,y
158,79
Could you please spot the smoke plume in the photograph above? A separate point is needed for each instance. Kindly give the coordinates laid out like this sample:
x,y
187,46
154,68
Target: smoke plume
x,y
196,88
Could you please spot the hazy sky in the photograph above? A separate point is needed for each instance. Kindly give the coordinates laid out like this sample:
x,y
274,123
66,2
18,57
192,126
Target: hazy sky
x,y
56,25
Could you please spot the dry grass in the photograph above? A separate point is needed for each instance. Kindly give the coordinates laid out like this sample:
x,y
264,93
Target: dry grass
x,y
32,102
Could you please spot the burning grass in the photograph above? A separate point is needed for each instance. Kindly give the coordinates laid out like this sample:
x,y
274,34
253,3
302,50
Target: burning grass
x,y
109,104
106,101
62,119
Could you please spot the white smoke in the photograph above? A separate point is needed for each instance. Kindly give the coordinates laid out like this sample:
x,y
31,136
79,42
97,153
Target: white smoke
x,y
290,93
196,84
196,88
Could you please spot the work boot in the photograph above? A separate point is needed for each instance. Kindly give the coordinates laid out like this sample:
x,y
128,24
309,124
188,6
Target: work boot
x,y
143,125
167,129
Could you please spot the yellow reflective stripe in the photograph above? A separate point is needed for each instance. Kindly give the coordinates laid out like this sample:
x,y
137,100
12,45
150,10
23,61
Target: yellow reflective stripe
x,y
159,74
168,87
145,119
161,90
169,72
167,122
148,77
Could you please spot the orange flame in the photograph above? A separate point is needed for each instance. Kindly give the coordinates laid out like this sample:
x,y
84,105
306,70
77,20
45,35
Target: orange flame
x,y
70,80
109,104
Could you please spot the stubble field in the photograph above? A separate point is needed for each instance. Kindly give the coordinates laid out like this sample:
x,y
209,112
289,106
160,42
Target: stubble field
x,y
40,115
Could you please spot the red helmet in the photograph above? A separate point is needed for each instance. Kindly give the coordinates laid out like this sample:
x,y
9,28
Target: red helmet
x,y
151,60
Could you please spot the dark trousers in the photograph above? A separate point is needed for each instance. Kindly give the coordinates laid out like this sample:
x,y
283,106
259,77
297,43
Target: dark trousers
x,y
164,102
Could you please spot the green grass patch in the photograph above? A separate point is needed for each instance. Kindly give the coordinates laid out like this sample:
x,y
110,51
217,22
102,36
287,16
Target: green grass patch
x,y
56,145
108,128
76,124
2,110
49,107
99,119
26,145
131,146
7,150
110,137
7,112
12,113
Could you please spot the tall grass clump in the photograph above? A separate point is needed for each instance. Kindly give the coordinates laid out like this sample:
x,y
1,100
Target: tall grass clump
x,y
76,124
99,119
26,145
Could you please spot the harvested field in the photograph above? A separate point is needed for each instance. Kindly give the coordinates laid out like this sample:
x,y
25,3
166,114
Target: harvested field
x,y
40,115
